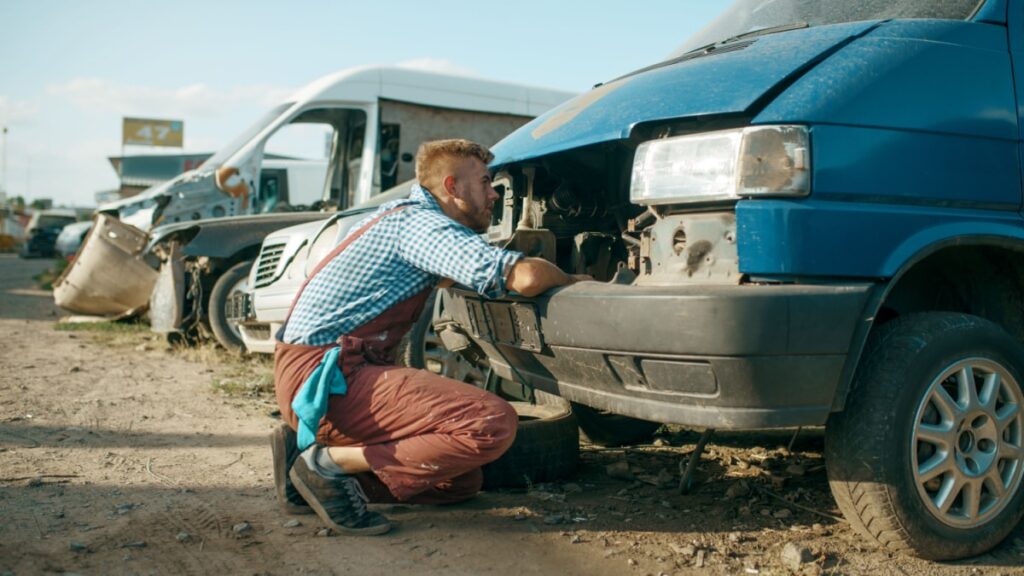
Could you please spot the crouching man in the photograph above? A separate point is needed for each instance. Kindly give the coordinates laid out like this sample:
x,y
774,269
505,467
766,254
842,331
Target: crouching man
x,y
358,428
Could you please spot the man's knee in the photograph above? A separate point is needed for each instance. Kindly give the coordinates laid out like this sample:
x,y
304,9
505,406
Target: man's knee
x,y
500,422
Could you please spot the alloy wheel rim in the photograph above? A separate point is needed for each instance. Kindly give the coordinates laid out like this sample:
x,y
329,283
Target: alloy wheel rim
x,y
966,443
441,361
241,286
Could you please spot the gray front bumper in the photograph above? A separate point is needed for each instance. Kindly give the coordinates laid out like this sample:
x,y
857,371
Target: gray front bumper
x,y
730,357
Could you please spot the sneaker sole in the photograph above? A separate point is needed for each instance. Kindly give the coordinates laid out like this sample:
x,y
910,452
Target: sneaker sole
x,y
314,503
278,439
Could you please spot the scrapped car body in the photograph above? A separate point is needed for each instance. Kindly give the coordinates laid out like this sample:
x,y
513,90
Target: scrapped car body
x,y
93,277
807,215
379,117
194,195
90,286
194,245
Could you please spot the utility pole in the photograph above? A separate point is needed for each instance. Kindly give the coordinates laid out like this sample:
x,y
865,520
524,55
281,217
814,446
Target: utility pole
x,y
3,177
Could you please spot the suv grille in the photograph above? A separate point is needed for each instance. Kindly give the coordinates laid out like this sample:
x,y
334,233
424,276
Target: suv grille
x,y
266,264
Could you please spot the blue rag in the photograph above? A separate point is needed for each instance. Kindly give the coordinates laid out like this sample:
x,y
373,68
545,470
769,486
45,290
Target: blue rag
x,y
310,402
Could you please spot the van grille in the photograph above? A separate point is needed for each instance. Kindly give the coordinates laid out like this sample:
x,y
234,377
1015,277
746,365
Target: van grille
x,y
266,264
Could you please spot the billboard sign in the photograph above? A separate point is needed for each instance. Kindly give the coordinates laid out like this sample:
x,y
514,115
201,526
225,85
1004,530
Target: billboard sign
x,y
152,132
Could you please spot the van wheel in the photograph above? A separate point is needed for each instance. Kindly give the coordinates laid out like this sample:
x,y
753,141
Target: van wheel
x,y
927,456
235,279
608,429
546,448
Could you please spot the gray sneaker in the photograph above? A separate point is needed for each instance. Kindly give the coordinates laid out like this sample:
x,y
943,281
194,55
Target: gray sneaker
x,y
340,502
284,450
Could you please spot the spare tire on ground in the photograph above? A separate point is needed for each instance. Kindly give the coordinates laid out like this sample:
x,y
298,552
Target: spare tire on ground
x,y
608,429
546,448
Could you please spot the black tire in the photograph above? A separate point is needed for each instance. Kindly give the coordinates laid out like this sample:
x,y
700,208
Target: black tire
x,y
875,449
411,349
546,448
216,311
607,429
422,344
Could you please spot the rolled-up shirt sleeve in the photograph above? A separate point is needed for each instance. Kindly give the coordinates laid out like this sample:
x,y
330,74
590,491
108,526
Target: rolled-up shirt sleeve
x,y
439,245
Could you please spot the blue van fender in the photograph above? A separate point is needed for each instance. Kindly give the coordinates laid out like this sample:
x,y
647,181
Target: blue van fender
x,y
880,293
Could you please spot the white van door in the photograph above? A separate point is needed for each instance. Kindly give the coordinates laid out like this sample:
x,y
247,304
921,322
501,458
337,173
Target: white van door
x,y
333,135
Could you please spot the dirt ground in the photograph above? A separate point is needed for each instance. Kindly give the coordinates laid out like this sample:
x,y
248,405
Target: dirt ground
x,y
120,455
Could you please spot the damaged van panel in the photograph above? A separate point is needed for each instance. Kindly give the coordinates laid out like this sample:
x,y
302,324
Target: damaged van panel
x,y
679,248
88,287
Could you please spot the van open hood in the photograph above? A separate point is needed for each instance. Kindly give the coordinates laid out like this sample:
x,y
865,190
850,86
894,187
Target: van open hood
x,y
114,206
731,78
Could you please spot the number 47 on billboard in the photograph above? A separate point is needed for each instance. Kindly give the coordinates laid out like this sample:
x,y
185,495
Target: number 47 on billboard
x,y
152,132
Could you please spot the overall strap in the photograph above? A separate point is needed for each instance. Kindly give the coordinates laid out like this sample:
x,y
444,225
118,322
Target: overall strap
x,y
334,253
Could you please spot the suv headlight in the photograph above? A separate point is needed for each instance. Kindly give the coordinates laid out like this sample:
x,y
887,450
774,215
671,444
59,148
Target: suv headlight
x,y
729,164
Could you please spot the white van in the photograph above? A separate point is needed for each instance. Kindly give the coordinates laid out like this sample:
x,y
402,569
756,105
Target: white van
x,y
404,107
370,121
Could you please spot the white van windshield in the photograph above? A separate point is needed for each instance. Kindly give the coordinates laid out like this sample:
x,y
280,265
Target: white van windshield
x,y
215,161
750,17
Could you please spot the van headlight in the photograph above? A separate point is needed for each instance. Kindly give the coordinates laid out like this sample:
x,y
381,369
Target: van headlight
x,y
728,164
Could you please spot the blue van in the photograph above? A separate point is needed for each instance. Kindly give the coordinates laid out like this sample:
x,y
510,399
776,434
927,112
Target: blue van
x,y
810,214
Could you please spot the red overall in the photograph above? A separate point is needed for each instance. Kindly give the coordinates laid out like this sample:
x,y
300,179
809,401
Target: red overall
x,y
425,436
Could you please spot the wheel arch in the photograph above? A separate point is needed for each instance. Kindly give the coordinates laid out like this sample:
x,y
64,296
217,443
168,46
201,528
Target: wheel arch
x,y
979,275
222,265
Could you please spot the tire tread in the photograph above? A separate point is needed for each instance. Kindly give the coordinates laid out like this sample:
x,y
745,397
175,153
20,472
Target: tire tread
x,y
855,438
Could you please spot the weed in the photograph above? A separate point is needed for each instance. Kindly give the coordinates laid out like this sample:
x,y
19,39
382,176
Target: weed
x,y
133,326
248,384
233,374
46,278
228,386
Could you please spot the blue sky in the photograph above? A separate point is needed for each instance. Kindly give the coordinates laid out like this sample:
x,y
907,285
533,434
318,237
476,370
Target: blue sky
x,y
69,71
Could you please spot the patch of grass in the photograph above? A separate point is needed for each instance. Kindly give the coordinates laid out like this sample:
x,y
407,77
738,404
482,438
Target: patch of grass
x,y
131,326
206,352
250,375
46,278
247,384
233,374
124,333
228,386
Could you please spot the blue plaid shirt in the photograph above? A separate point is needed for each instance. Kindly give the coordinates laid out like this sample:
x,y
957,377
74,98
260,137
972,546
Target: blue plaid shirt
x,y
399,256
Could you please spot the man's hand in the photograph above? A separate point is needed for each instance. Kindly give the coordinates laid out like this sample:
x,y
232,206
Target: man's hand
x,y
533,276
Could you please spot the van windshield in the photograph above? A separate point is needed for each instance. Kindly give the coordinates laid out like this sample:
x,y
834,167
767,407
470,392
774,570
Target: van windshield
x,y
750,16
215,161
